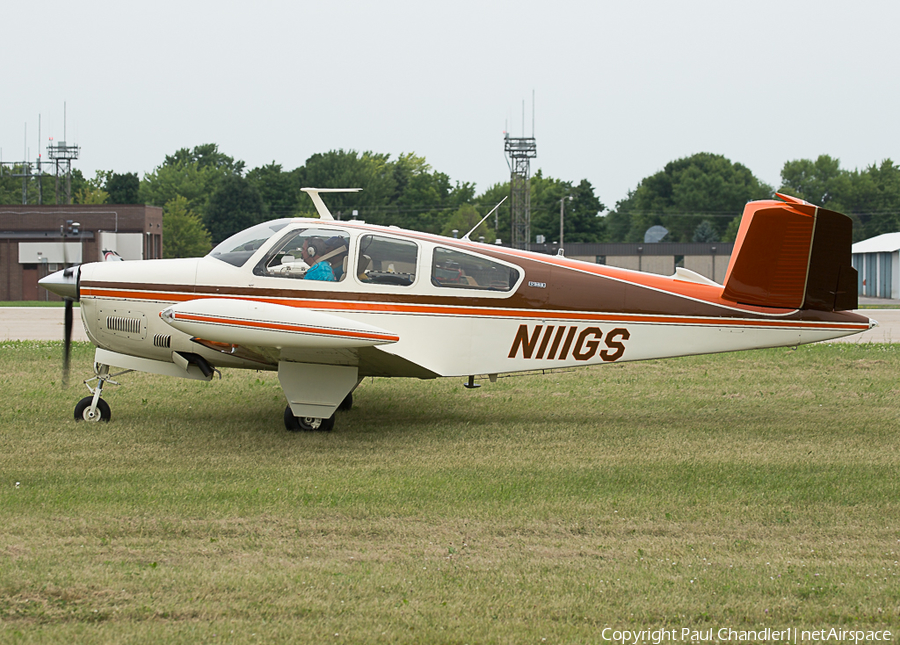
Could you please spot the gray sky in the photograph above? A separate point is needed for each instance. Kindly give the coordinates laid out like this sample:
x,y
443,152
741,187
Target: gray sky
x,y
621,88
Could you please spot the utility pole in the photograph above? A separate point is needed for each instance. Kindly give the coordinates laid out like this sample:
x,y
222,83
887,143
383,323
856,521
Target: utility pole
x,y
562,216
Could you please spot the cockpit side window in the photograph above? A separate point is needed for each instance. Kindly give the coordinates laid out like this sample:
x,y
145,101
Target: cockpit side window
x,y
458,270
308,254
384,260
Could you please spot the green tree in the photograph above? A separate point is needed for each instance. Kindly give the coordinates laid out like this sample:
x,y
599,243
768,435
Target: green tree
x,y
876,199
706,232
77,182
821,182
618,223
406,192
423,199
349,169
91,195
871,196
100,180
93,191
96,190
279,190
123,189
582,220
683,194
206,155
184,235
500,221
11,186
464,220
193,174
235,205
730,234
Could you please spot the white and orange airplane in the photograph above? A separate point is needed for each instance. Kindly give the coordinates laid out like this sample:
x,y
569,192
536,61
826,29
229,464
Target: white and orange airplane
x,y
326,303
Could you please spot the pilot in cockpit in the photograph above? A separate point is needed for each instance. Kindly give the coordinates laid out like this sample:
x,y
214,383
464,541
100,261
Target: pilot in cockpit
x,y
325,257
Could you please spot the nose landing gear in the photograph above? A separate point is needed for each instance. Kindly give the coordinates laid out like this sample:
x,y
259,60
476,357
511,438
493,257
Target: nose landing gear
x,y
93,408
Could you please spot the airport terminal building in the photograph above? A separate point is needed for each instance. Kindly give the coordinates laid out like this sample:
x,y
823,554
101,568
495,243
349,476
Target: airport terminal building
x,y
38,240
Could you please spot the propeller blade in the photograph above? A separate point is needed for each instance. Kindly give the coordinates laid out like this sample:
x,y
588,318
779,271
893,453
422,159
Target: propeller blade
x,y
67,340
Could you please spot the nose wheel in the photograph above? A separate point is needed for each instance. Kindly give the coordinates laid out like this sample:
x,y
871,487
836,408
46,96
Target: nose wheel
x,y
87,411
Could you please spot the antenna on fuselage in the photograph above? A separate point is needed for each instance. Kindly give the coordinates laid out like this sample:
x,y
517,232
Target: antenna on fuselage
x,y
466,236
321,208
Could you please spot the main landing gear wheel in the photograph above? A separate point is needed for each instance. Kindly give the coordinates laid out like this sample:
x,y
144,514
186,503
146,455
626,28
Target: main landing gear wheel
x,y
83,410
305,424
347,403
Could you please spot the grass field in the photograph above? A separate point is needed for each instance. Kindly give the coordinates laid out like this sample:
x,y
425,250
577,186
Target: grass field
x,y
746,490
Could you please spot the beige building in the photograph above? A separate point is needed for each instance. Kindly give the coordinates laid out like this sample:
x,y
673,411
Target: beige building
x,y
709,260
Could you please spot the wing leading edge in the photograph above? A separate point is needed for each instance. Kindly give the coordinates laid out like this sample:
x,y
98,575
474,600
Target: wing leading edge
x,y
263,324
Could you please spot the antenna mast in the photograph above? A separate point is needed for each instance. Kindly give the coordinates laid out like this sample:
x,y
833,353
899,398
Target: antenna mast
x,y
521,150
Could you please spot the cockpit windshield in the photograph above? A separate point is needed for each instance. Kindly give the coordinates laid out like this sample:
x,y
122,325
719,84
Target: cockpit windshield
x,y
238,248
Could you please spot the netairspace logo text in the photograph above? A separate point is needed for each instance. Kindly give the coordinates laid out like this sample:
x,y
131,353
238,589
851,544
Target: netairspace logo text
x,y
728,635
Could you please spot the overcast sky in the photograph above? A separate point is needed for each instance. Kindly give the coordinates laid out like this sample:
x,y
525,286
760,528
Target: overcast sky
x,y
621,88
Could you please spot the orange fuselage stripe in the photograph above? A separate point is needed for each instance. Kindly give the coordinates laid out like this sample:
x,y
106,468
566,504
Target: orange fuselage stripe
x,y
261,324
394,308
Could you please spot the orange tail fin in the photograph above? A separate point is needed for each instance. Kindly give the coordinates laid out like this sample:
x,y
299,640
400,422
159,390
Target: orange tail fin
x,y
792,255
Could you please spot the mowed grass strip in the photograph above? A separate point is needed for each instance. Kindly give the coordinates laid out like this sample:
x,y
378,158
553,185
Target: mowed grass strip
x,y
745,490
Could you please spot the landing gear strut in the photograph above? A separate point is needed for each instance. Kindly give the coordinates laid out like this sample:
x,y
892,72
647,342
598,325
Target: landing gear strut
x,y
93,408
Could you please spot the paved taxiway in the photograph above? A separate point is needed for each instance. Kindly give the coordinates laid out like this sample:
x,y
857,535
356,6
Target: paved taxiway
x,y
46,323
38,323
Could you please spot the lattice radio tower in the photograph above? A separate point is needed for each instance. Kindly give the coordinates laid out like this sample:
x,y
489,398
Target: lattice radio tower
x,y
520,151
63,155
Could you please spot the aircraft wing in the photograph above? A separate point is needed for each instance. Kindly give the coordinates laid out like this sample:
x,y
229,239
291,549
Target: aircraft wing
x,y
251,323
271,333
320,356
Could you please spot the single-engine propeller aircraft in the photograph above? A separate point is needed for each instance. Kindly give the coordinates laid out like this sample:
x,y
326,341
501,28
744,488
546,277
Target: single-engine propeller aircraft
x,y
326,303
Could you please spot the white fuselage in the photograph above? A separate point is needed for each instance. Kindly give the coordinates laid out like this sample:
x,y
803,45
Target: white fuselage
x,y
438,331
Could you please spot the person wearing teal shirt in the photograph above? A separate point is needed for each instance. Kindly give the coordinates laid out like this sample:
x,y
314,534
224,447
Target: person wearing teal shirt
x,y
321,271
320,254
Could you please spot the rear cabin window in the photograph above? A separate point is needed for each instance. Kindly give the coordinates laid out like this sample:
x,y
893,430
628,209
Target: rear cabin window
x,y
384,260
458,270
309,254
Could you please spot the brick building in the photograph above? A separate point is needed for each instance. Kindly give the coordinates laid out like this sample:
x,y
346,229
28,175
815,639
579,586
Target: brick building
x,y
37,240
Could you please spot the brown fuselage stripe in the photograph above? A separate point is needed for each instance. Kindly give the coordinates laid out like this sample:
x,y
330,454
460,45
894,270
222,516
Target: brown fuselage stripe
x,y
396,308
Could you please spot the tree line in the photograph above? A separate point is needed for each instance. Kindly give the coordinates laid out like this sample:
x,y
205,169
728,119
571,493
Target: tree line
x,y
700,198
207,195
